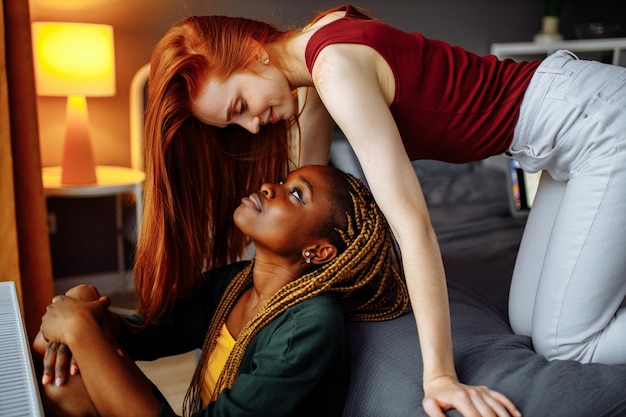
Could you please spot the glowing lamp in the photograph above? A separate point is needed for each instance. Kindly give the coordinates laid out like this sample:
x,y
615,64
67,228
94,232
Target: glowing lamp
x,y
75,60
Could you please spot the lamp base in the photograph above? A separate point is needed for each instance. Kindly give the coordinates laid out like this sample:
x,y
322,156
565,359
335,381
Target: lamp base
x,y
77,165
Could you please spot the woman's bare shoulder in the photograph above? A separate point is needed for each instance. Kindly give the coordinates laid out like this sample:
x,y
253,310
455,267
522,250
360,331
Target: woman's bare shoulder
x,y
326,19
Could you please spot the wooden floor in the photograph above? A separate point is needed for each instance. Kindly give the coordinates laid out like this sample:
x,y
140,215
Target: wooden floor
x,y
172,375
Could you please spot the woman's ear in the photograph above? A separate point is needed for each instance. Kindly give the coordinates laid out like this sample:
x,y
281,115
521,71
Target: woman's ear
x,y
321,253
262,56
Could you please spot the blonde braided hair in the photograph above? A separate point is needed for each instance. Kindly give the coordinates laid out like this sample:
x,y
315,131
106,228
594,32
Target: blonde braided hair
x,y
370,287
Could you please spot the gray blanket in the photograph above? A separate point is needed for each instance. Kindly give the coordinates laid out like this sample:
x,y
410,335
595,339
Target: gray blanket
x,y
479,240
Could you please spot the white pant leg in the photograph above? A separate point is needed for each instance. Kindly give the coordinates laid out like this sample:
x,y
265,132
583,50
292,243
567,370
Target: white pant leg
x,y
581,284
573,125
533,247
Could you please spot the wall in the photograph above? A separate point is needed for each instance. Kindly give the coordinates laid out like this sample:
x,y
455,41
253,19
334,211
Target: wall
x,y
138,24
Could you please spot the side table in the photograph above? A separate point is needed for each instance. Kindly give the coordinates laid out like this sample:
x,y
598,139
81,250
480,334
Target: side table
x,y
112,181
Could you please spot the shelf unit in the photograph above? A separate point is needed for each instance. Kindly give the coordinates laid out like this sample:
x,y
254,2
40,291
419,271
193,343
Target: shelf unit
x,y
610,50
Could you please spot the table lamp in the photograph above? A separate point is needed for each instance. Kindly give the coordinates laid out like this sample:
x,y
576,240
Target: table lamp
x,y
74,60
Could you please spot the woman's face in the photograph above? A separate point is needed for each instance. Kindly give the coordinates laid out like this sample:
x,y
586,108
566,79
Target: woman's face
x,y
246,98
283,217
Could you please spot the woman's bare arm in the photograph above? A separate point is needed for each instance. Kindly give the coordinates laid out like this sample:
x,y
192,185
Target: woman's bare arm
x,y
349,86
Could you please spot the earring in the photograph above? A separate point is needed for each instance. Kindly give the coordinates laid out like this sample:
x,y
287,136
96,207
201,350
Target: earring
x,y
266,61
307,254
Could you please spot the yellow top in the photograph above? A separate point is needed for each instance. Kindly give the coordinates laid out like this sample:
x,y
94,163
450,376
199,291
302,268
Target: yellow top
x,y
217,360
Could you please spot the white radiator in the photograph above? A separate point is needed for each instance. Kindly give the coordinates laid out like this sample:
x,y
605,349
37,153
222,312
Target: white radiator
x,y
19,393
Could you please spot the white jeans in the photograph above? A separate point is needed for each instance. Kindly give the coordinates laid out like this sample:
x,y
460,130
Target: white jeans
x,y
569,282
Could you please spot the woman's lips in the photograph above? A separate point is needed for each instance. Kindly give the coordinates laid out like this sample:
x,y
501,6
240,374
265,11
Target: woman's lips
x,y
273,117
252,201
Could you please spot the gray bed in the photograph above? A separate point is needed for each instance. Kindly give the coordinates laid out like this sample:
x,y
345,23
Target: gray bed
x,y
479,240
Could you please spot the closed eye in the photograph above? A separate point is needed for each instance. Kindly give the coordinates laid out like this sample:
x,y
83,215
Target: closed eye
x,y
242,108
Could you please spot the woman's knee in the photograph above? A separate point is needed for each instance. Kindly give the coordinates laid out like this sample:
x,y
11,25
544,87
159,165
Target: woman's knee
x,y
548,343
84,292
70,399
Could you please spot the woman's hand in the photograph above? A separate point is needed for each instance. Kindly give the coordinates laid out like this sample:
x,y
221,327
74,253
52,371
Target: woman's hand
x,y
57,361
57,358
471,401
67,319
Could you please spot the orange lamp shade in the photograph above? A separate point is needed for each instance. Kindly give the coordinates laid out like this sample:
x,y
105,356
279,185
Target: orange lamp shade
x,y
74,60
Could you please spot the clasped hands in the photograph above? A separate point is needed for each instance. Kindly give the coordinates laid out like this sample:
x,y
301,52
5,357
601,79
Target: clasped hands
x,y
68,317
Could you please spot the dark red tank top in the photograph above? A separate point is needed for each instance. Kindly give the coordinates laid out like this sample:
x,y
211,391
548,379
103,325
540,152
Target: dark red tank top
x,y
450,104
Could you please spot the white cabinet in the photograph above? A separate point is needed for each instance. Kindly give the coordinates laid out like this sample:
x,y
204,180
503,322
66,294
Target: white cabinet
x,y
611,50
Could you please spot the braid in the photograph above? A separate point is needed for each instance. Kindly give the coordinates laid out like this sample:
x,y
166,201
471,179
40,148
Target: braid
x,y
239,284
369,285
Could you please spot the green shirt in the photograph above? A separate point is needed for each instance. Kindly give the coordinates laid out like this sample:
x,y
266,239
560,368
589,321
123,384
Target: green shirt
x,y
296,366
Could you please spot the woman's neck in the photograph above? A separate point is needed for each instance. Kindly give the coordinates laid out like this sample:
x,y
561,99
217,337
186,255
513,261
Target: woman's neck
x,y
270,275
268,278
291,60
291,51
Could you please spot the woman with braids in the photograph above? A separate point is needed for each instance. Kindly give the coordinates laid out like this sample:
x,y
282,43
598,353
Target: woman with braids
x,y
271,330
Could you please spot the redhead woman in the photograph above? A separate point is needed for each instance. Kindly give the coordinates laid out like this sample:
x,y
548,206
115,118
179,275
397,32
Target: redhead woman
x,y
222,110
271,331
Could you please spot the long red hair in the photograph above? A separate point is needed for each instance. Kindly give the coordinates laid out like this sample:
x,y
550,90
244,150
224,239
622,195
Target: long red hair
x,y
196,174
